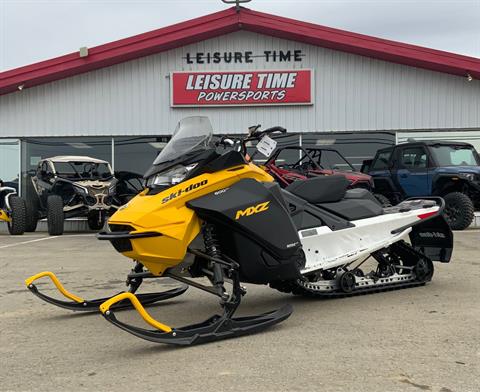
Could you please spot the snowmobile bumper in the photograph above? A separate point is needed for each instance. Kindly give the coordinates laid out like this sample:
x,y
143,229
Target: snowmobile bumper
x,y
215,328
79,304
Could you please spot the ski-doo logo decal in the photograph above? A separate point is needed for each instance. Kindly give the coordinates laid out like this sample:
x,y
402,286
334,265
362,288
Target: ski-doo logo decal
x,y
252,210
431,234
180,192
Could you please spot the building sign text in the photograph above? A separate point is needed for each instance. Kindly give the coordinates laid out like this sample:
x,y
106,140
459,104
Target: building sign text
x,y
287,87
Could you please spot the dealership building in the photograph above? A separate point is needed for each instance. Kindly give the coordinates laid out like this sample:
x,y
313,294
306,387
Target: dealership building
x,y
122,100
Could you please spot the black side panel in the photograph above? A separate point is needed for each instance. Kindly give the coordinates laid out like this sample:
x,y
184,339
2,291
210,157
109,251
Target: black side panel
x,y
306,215
253,210
255,229
434,238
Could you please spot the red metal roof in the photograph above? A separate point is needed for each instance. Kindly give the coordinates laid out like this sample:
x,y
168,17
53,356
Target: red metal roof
x,y
228,21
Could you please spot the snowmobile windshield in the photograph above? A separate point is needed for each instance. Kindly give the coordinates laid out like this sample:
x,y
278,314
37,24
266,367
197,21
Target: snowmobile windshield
x,y
192,134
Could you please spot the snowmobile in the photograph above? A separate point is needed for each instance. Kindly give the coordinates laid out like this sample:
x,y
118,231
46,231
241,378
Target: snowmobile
x,y
209,212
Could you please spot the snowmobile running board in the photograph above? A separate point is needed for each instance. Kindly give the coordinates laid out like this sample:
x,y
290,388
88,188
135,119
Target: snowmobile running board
x,y
80,304
215,328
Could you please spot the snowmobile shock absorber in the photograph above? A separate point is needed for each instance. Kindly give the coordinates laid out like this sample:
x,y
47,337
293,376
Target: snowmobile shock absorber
x,y
212,248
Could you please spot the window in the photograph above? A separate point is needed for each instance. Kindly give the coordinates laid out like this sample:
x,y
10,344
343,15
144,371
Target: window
x,y
283,140
382,159
414,158
287,157
9,162
135,155
332,160
455,155
354,146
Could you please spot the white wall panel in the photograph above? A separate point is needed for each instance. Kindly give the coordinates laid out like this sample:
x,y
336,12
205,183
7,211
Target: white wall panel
x,y
351,93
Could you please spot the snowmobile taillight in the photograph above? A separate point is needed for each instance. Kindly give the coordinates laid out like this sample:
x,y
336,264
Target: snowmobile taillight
x,y
427,215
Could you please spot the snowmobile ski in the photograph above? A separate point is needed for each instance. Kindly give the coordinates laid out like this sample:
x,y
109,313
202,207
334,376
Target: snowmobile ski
x,y
79,304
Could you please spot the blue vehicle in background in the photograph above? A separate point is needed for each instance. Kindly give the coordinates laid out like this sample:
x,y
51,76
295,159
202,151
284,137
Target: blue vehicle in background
x,y
430,168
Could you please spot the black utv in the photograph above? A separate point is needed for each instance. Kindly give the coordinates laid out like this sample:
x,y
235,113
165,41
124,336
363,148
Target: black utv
x,y
72,186
430,168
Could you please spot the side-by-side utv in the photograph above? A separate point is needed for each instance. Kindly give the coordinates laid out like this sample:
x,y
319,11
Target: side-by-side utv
x,y
72,186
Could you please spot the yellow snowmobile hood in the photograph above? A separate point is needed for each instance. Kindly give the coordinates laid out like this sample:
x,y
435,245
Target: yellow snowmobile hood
x,y
166,213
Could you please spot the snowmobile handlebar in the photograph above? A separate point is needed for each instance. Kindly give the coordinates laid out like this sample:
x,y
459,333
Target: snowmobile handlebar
x,y
253,134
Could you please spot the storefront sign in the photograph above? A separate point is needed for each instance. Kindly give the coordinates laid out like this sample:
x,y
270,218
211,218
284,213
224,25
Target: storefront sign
x,y
280,87
269,56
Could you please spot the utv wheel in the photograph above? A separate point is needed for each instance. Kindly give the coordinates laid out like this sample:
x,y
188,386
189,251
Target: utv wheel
x,y
32,215
96,221
55,215
18,215
384,202
458,210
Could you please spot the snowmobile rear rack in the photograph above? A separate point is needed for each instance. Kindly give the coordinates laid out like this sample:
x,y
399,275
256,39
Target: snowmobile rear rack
x,y
80,304
419,203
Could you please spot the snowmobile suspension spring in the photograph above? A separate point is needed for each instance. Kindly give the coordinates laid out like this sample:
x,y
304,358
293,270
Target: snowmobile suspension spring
x,y
212,248
212,245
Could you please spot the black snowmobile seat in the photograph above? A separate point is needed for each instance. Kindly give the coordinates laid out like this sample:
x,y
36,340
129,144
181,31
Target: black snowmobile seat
x,y
357,204
360,193
322,189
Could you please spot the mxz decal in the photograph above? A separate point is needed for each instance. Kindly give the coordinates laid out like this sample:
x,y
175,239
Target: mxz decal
x,y
180,192
252,210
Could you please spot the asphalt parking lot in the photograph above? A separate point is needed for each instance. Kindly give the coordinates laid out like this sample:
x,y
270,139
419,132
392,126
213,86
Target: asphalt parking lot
x,y
420,339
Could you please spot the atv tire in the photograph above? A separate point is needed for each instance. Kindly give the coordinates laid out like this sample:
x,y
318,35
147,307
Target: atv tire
x,y
383,200
458,210
55,216
18,212
94,223
32,215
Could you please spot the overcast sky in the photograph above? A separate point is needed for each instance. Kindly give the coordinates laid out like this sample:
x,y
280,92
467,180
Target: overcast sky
x,y
35,30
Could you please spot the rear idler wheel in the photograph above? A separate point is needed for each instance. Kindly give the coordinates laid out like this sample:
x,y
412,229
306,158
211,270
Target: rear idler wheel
x,y
423,270
347,282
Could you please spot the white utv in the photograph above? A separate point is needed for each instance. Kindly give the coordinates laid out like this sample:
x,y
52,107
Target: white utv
x,y
72,186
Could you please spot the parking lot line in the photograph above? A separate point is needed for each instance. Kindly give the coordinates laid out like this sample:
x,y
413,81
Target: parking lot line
x,y
43,239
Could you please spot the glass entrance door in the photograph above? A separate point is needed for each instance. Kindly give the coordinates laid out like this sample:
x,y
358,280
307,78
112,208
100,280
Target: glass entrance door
x,y
10,162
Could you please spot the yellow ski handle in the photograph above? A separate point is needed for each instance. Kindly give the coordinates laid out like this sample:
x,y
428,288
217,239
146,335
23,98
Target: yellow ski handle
x,y
105,307
56,282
